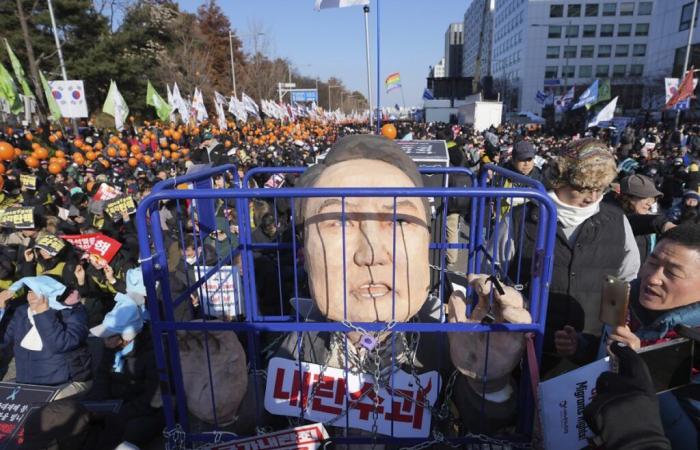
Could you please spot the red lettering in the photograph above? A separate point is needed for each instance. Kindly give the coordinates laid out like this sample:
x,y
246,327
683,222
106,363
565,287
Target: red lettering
x,y
279,380
324,389
401,406
366,408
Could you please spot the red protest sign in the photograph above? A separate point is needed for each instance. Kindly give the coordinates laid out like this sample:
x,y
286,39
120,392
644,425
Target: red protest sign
x,y
81,241
106,192
104,247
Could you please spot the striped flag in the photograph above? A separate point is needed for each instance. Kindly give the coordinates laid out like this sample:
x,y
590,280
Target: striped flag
x,y
325,4
392,82
428,94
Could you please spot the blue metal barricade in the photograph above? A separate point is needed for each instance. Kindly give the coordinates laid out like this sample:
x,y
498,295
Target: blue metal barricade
x,y
175,299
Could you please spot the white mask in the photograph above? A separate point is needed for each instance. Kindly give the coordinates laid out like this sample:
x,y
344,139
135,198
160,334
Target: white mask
x,y
191,259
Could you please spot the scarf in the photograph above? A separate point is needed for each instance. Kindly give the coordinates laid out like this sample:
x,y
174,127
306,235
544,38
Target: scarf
x,y
118,365
32,340
573,216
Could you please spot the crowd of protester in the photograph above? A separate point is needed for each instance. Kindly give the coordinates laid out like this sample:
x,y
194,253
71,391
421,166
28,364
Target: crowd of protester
x,y
73,312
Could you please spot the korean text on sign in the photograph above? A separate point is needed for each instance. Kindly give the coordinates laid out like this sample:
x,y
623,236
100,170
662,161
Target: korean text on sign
x,y
403,414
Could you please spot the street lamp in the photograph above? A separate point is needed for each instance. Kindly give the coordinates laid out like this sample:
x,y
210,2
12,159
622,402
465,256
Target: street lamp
x,y
329,93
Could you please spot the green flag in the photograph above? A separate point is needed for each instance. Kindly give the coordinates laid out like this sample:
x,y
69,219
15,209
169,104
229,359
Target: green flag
x,y
604,90
50,100
19,72
155,100
115,106
8,91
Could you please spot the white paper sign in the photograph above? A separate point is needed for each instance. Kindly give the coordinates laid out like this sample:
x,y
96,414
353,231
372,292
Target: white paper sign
x,y
221,293
305,437
562,400
70,96
402,415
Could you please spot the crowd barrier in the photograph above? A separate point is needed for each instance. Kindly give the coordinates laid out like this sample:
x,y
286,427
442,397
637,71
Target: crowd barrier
x,y
259,291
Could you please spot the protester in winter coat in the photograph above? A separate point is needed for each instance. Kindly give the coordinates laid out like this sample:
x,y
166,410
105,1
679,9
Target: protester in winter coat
x,y
128,371
687,210
48,335
664,296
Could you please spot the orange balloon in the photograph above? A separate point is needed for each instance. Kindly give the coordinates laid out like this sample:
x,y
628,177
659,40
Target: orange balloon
x,y
133,162
166,153
59,134
389,131
2,168
157,156
91,156
55,168
52,138
135,148
145,141
177,135
28,136
173,147
184,151
60,154
147,159
7,152
41,153
35,146
175,156
62,162
32,162
99,146
105,163
111,152
168,133
123,153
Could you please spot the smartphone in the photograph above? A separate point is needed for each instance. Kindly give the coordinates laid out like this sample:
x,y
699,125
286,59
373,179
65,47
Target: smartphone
x,y
670,363
614,301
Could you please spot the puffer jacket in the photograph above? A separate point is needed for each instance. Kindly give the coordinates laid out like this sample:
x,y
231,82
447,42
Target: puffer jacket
x,y
64,357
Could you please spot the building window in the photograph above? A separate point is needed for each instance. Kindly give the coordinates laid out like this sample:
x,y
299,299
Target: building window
x,y
624,30
572,31
602,71
553,52
622,50
607,30
604,51
592,10
554,31
627,9
556,11
589,31
686,16
569,51
639,50
644,8
585,71
551,72
636,70
619,70
641,29
573,11
609,9
568,72
587,51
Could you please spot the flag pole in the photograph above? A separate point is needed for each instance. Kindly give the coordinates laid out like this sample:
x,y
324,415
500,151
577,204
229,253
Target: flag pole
x,y
403,100
687,52
60,59
369,68
379,93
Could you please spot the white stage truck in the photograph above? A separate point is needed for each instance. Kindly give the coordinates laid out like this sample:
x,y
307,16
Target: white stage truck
x,y
482,114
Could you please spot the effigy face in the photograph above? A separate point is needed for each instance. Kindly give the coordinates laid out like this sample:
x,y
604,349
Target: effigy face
x,y
369,267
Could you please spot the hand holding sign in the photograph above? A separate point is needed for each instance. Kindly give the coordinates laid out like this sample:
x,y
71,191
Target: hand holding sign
x,y
469,351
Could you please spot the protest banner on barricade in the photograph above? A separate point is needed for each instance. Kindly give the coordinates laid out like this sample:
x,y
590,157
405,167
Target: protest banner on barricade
x,y
305,437
16,402
21,218
222,293
28,181
400,405
116,206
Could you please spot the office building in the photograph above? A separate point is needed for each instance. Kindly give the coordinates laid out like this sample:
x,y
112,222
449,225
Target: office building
x,y
454,39
549,46
478,20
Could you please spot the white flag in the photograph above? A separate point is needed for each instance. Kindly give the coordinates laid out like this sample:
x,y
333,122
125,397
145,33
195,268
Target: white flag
x,y
115,106
198,106
236,108
250,105
171,102
219,102
325,4
606,114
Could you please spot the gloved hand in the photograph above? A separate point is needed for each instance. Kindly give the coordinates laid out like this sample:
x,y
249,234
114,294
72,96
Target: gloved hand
x,y
468,350
625,410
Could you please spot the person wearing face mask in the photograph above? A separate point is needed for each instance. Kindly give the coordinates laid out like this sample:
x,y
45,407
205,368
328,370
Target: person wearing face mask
x,y
594,239
637,198
48,335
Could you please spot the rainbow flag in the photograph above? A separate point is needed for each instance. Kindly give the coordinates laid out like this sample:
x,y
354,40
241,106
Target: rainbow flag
x,y
392,82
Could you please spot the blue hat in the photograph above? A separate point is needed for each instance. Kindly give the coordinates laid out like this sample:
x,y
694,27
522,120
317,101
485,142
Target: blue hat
x,y
124,319
44,286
